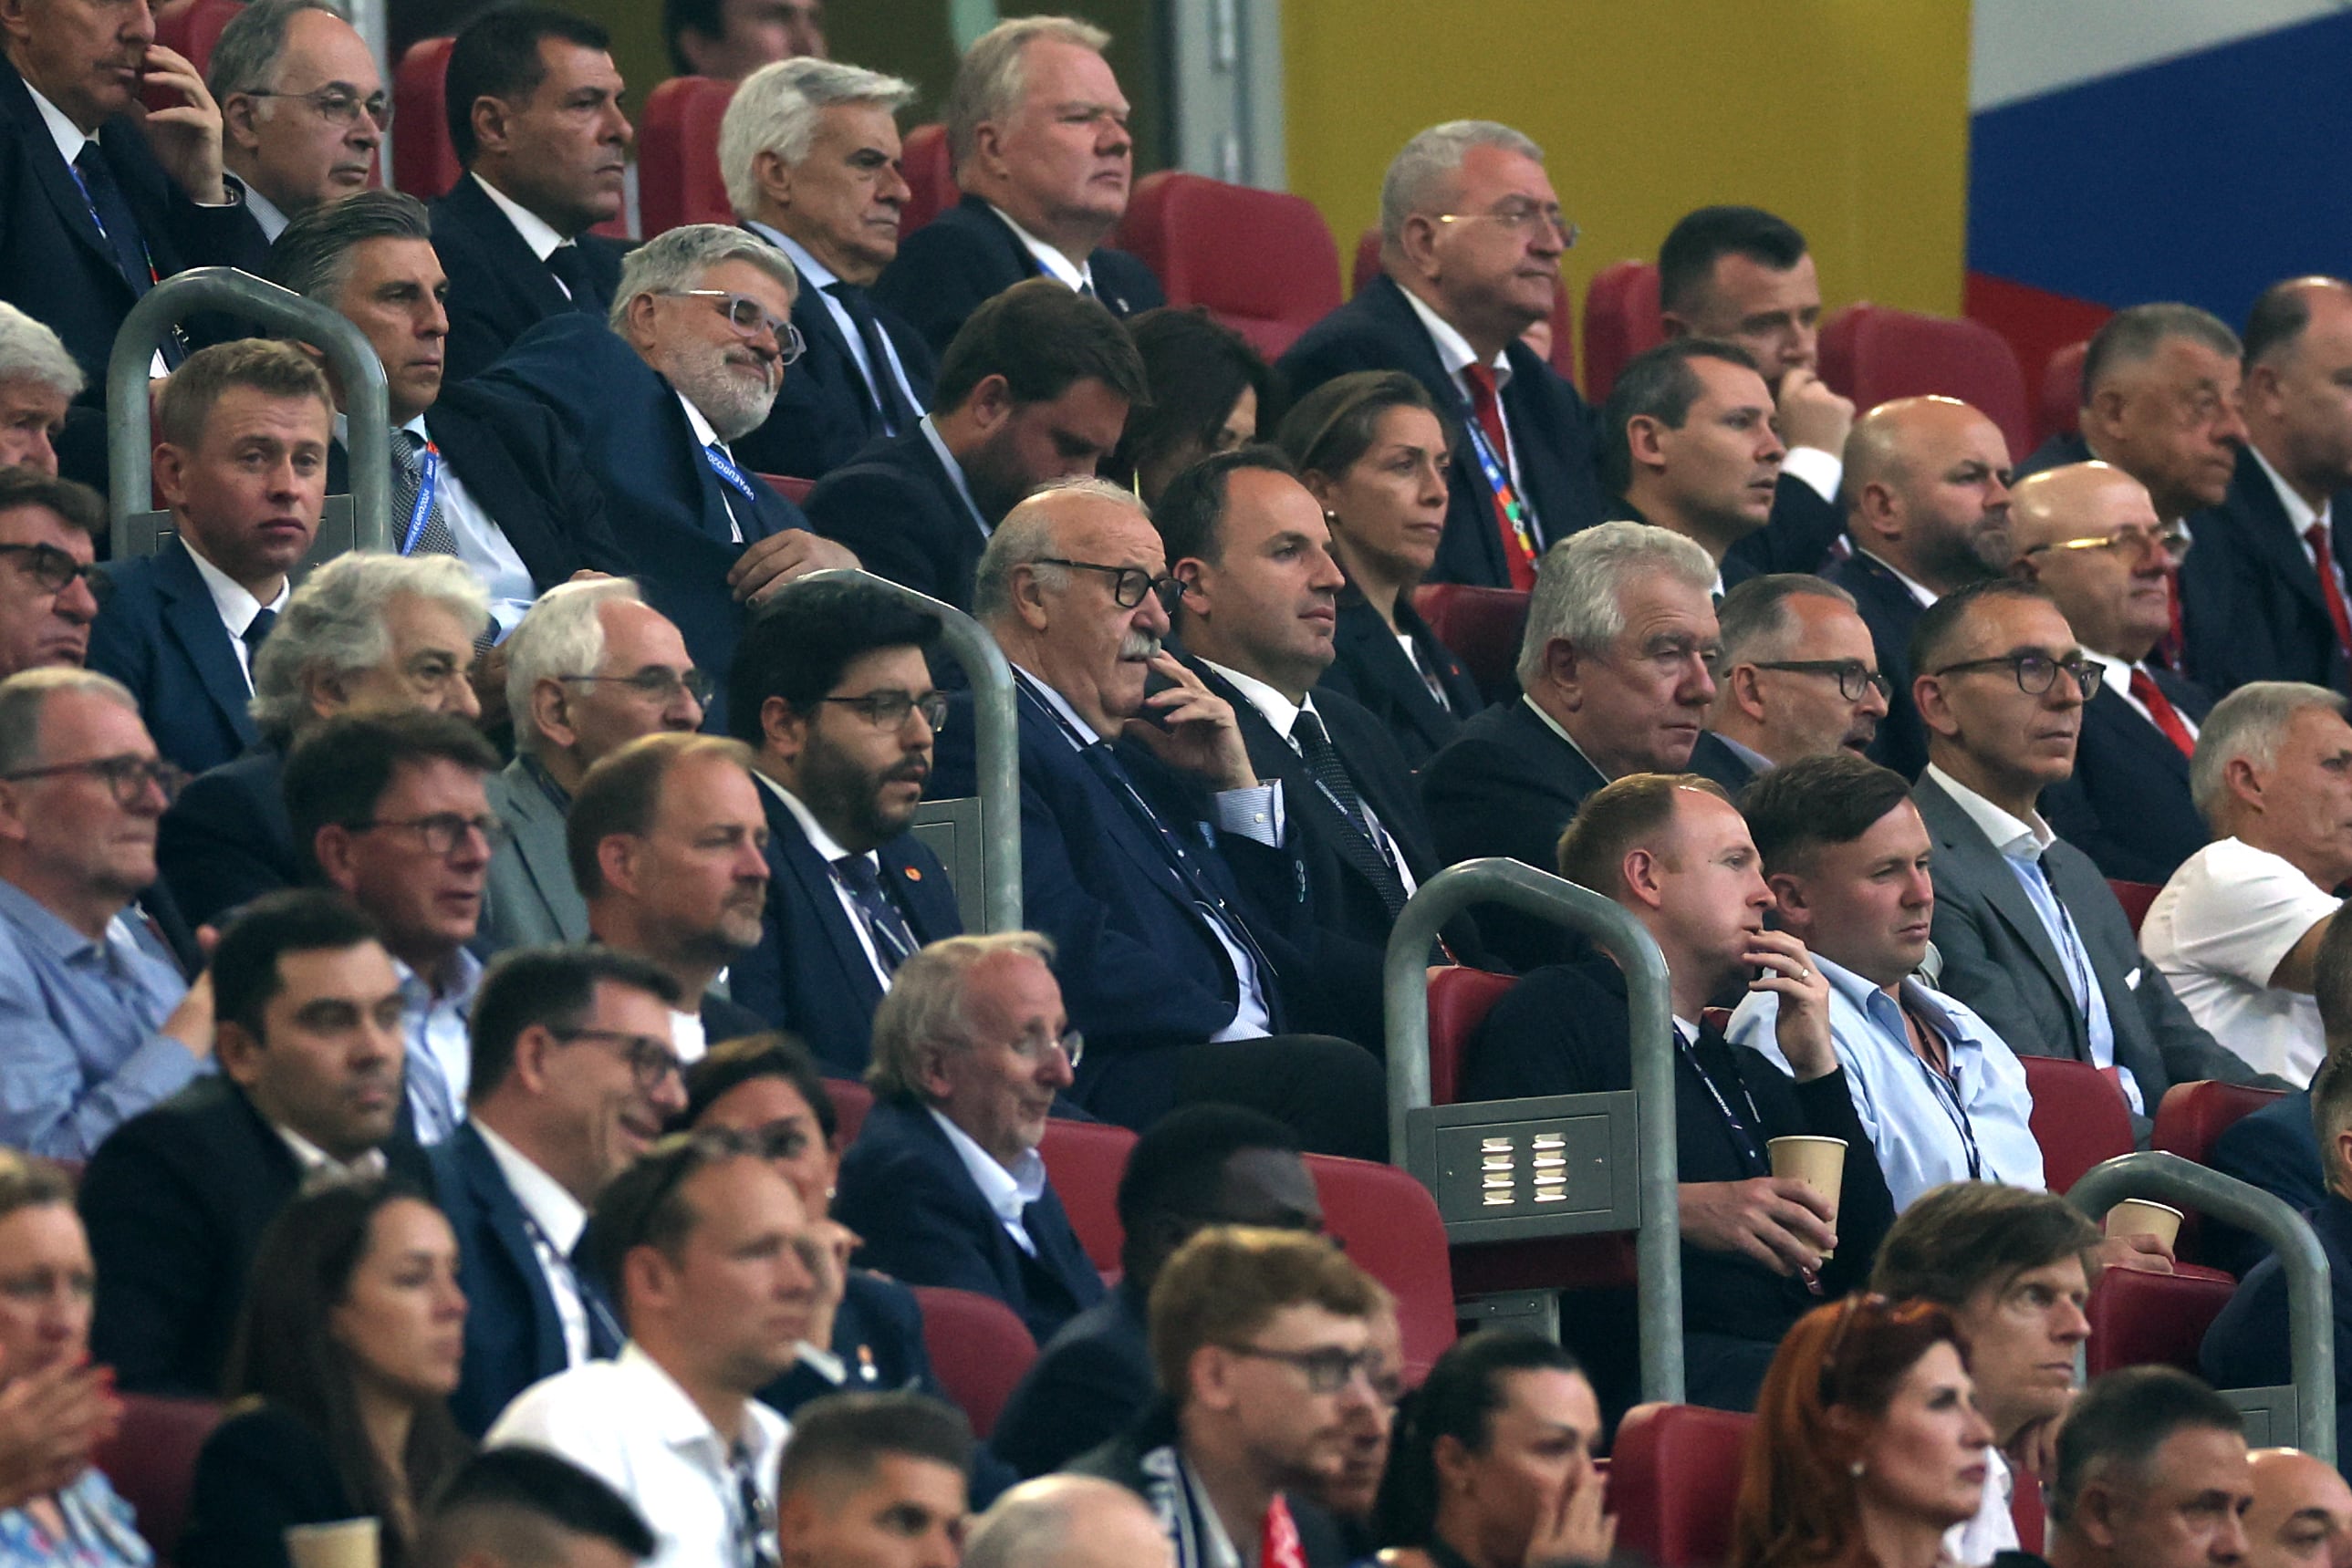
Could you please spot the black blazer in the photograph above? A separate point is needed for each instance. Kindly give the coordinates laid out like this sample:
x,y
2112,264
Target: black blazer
x,y
160,634
1552,431
1797,538
176,1202
949,268
896,505
2128,806
227,839
1891,613
2250,598
2276,1149
809,974
498,288
1369,666
905,1191
1088,1384
825,414
262,1469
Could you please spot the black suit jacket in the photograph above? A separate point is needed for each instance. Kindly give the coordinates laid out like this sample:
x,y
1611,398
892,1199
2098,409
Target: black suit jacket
x,y
261,1470
2248,1346
1891,611
2128,806
227,839
896,505
905,1191
1552,432
1089,1383
498,289
2250,597
809,974
1139,1460
825,414
1798,537
967,256
176,1202
160,634
1369,666
2276,1149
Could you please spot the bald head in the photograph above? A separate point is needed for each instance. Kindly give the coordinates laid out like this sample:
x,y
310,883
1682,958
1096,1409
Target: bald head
x,y
1926,487
2301,1516
1067,1521
2088,534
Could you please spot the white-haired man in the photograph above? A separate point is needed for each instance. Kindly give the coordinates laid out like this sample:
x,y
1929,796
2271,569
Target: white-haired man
x,y
1471,237
38,382
810,151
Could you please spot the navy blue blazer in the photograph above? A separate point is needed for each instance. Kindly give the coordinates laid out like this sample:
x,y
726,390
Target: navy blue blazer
x,y
896,505
1369,666
2250,598
1089,1383
1552,431
809,974
227,839
498,289
945,270
160,633
1891,611
905,1191
513,1337
825,414
2247,1347
2127,805
669,507
2276,1149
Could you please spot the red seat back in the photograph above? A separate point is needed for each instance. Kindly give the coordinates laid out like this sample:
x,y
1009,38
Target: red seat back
x,y
979,1347
1390,1226
2135,896
678,156
423,162
1620,320
2137,1318
930,177
1261,262
1873,352
1459,1000
1674,1479
1083,1160
193,26
794,490
1481,625
2194,1114
1368,261
2060,410
2079,1117
151,1461
851,1100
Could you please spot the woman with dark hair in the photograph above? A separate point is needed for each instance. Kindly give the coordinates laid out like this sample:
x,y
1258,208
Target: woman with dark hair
x,y
1373,449
1867,1445
345,1356
1210,394
1490,1462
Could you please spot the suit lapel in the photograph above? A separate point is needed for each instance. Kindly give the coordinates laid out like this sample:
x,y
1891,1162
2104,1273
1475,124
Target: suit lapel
x,y
1963,847
57,182
792,854
1117,816
504,1211
2120,727
514,257
2273,534
538,833
194,623
1554,757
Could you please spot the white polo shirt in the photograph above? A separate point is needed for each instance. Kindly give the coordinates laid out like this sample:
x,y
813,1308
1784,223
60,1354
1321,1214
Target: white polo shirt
x,y
2218,931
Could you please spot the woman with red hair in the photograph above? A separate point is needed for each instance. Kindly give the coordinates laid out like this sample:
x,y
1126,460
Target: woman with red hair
x,y
1867,1446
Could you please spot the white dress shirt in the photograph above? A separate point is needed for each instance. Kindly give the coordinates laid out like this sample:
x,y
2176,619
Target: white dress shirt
x,y
1074,274
536,232
1823,471
434,1024
2118,679
265,212
1975,1541
1455,353
70,139
368,1166
1008,1193
627,1421
555,1219
2219,929
481,543
829,850
236,604
815,275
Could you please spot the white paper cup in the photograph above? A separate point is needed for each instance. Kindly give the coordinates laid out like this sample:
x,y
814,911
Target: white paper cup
x,y
2137,1217
347,1543
1818,1163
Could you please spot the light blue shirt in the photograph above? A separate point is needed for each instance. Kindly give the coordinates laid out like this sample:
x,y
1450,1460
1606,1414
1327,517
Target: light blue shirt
x,y
440,1057
80,1054
98,1532
1920,1125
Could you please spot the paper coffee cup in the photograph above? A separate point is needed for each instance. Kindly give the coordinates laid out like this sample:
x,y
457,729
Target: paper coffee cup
x,y
1819,1163
347,1543
2137,1217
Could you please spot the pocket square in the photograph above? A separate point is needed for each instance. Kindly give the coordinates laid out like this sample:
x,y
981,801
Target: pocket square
x,y
2131,981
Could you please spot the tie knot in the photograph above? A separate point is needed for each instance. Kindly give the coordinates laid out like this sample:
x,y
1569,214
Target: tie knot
x,y
2315,536
1481,378
258,627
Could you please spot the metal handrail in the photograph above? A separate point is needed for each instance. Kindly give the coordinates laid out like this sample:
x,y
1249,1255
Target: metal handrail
x,y
366,397
996,724
2311,1312
1657,1248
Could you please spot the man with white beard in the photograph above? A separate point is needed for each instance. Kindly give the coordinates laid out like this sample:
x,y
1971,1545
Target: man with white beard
x,y
699,338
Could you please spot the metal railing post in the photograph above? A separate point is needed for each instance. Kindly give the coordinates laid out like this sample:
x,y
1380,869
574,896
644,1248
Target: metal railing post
x,y
129,445
1405,991
2311,1310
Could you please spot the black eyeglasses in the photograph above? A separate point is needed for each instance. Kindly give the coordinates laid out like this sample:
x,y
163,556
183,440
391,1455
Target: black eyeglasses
x,y
342,105
1128,583
889,709
442,832
130,777
651,1060
52,568
1853,676
1328,1369
2036,673
657,685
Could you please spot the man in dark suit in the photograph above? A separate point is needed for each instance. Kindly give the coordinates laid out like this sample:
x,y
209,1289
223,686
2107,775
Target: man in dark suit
x,y
1797,677
1927,512
1249,543
700,348
2088,535
1471,237
534,107
49,530
1034,388
2029,935
1037,129
810,151
2276,1149
573,1078
1142,820
242,463
944,1182
836,702
1615,672
303,107
1686,442
176,1200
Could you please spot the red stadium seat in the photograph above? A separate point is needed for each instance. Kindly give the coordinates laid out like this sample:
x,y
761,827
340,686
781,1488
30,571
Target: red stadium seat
x,y
1674,1478
1368,261
678,156
2060,410
2079,1117
979,1347
1459,1000
192,27
2135,896
2137,1318
1620,320
851,1100
2194,1114
1389,1225
930,177
1481,625
151,1461
1085,1160
1873,352
1261,261
423,163
796,491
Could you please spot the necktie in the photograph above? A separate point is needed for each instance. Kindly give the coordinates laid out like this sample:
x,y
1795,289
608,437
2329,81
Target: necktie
x,y
117,225
569,265
258,628
1206,897
1489,408
2330,589
754,1546
1363,847
894,940
2160,709
407,482
434,1108
1278,1543
898,411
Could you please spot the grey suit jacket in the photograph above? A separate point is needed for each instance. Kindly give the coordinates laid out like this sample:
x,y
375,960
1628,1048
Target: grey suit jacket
x,y
531,899
1999,959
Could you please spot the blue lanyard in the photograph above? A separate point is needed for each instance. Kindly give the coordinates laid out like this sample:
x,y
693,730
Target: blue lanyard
x,y
82,184
429,480
1948,1094
1498,480
726,469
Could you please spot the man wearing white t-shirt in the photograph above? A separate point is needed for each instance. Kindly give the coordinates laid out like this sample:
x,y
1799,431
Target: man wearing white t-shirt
x,y
2237,929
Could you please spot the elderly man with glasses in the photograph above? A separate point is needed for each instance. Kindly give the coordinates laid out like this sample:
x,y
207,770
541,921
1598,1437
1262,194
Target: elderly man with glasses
x,y
48,588
302,107
1797,676
2031,937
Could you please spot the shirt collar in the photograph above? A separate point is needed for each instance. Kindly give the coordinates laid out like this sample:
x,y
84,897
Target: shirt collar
x,y
931,429
465,969
814,274
2119,671
1745,753
266,212
827,847
1278,710
1917,588
43,926
1073,274
679,1422
1554,725
237,606
2018,839
2299,515
536,232
558,1215
1454,351
703,435
70,138
311,1157
1007,1192
1038,688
